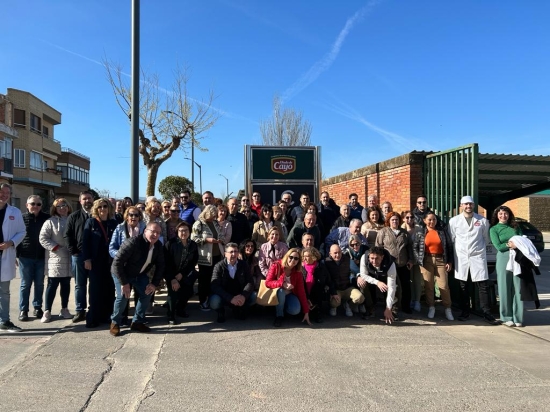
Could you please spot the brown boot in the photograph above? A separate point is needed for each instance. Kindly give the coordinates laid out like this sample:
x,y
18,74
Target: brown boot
x,y
114,330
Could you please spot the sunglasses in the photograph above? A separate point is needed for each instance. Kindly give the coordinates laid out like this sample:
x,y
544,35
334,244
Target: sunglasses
x,y
60,206
354,244
184,197
103,207
421,203
35,204
174,211
245,200
408,217
133,214
291,258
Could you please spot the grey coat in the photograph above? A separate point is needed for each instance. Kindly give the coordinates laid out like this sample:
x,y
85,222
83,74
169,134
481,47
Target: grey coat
x,y
58,262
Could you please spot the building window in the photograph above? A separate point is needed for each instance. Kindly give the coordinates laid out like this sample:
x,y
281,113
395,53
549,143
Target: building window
x,y
36,161
19,157
19,118
73,174
5,148
45,132
36,123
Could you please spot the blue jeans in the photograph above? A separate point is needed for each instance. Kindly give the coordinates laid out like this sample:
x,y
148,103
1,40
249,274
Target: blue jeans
x,y
4,301
139,283
81,282
216,301
287,303
31,270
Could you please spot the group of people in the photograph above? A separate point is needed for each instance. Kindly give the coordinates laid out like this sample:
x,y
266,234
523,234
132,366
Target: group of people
x,y
306,256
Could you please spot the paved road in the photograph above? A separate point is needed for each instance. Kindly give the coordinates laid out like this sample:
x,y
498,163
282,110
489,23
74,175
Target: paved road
x,y
343,364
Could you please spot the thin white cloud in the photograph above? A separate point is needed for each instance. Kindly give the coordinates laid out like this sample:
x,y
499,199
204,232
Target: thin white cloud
x,y
397,141
166,91
328,59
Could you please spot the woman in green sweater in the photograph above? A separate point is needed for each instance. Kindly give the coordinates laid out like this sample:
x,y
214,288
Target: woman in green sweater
x,y
503,227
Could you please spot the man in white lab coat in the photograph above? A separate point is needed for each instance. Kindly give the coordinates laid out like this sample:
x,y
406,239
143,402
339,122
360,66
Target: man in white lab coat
x,y
469,233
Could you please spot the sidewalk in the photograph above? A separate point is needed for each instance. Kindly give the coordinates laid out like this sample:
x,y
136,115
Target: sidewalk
x,y
342,364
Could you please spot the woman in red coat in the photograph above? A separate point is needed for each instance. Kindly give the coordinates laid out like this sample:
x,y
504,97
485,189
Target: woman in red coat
x,y
286,274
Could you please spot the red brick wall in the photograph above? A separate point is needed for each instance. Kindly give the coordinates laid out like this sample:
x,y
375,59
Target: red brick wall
x,y
397,180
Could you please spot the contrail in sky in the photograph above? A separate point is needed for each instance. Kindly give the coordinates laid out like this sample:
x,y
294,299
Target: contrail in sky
x,y
220,111
324,64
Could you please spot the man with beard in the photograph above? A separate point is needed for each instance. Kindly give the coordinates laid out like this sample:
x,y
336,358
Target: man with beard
x,y
73,238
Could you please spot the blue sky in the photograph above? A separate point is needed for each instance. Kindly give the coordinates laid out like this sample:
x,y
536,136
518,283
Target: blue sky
x,y
376,79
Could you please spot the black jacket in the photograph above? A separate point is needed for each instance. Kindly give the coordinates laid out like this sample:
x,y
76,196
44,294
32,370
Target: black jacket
x,y
327,215
30,246
221,278
321,279
75,230
93,239
240,229
180,259
131,257
419,245
339,273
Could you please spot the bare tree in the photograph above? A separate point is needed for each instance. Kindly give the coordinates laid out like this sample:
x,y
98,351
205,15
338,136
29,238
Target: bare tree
x,y
286,127
169,119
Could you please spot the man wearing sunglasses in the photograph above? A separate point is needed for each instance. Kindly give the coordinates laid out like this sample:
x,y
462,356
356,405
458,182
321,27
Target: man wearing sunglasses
x,y
31,256
189,211
421,210
12,232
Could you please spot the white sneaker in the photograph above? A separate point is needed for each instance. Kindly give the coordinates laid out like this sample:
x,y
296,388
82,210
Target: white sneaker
x,y
46,317
449,314
509,323
362,309
431,312
416,306
332,312
519,325
349,312
65,314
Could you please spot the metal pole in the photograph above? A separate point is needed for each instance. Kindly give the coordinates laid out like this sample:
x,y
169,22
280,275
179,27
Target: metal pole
x,y
193,160
226,184
200,174
134,139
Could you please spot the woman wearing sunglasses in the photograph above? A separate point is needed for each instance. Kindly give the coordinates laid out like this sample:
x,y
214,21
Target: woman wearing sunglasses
x,y
132,226
98,231
286,274
58,258
409,224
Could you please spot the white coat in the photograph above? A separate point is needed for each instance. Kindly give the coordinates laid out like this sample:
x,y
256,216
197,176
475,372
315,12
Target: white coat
x,y
14,229
469,244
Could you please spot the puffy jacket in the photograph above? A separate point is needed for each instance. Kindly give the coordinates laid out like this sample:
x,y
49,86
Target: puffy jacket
x,y
419,246
58,264
30,247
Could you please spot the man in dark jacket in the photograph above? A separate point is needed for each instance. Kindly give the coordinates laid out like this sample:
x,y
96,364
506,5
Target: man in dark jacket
x,y
342,290
31,256
294,238
73,237
130,268
328,212
421,210
240,229
232,285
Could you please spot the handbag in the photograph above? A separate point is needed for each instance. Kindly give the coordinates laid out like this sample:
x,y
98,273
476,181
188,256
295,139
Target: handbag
x,y
267,296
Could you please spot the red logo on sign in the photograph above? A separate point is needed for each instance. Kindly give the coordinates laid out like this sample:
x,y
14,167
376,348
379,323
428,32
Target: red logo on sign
x,y
283,165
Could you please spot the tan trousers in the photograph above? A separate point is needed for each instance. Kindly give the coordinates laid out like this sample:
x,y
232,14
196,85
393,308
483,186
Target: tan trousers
x,y
432,270
351,293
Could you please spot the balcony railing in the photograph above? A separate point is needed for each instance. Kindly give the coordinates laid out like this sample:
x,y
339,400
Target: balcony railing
x,y
6,165
67,150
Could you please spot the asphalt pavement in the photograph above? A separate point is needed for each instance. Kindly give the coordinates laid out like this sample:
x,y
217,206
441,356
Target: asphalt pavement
x,y
341,364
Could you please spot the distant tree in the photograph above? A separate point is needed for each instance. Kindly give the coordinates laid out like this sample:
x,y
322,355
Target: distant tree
x,y
286,127
100,193
169,119
95,194
172,186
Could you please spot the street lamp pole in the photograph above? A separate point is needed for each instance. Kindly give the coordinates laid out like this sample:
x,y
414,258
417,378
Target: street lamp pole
x,y
226,184
200,171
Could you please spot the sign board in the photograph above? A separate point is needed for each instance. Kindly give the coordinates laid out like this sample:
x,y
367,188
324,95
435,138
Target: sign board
x,y
273,170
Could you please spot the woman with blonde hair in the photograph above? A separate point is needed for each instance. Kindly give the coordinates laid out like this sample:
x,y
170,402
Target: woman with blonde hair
x,y
206,234
58,258
153,213
286,274
98,231
262,226
226,230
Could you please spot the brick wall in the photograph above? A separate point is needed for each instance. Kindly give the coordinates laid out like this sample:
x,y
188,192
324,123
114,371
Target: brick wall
x,y
539,210
398,180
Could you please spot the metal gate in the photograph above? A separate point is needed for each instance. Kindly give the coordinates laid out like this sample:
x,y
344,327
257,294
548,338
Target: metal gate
x,y
448,176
